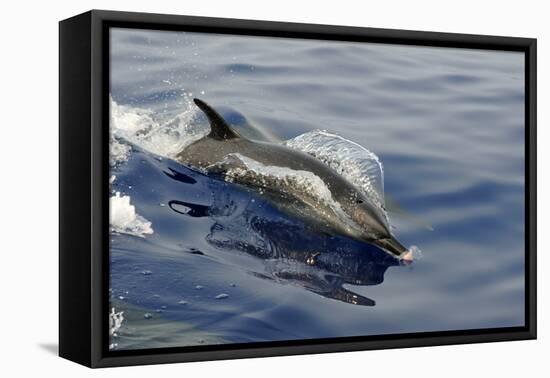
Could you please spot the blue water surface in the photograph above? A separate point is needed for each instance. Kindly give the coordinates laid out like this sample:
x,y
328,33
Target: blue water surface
x,y
223,265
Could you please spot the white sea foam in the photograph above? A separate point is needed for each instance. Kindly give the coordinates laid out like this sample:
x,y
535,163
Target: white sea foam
x,y
143,128
115,321
125,220
118,151
357,164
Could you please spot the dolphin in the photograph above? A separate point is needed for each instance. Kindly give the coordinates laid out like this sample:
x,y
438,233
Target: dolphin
x,y
295,182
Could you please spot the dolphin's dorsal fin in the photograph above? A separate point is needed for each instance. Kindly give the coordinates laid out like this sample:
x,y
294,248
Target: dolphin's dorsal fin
x,y
219,129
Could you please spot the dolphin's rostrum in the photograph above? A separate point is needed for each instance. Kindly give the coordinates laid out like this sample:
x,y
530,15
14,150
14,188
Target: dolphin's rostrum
x,y
295,182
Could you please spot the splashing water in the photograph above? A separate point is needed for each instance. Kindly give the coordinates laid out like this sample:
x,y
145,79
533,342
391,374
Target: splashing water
x,y
125,220
354,162
115,321
415,252
142,128
118,151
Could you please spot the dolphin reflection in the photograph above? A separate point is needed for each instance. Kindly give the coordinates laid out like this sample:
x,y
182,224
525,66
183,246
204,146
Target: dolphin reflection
x,y
292,252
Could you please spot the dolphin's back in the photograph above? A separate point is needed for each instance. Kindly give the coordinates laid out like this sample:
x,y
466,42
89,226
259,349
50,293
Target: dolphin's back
x,y
206,152
223,141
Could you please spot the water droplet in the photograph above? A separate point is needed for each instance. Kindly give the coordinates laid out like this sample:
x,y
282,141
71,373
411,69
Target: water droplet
x,y
222,296
148,315
416,251
182,302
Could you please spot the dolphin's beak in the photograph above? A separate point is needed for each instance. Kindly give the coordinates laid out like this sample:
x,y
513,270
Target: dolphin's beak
x,y
392,246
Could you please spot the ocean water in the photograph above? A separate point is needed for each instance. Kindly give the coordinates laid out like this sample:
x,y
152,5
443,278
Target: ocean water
x,y
196,260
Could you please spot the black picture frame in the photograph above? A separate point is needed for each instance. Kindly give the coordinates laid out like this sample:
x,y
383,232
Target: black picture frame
x,y
83,182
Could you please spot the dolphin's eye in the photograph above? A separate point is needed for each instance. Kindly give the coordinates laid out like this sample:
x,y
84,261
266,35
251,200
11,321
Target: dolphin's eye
x,y
358,201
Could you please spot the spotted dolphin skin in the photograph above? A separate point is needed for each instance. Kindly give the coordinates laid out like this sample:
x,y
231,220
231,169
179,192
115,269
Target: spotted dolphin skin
x,y
294,182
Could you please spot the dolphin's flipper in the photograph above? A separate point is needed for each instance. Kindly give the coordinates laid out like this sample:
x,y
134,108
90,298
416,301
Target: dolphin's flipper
x,y
325,288
219,129
348,296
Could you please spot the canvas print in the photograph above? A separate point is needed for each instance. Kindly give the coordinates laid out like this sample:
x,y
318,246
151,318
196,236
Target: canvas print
x,y
278,189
